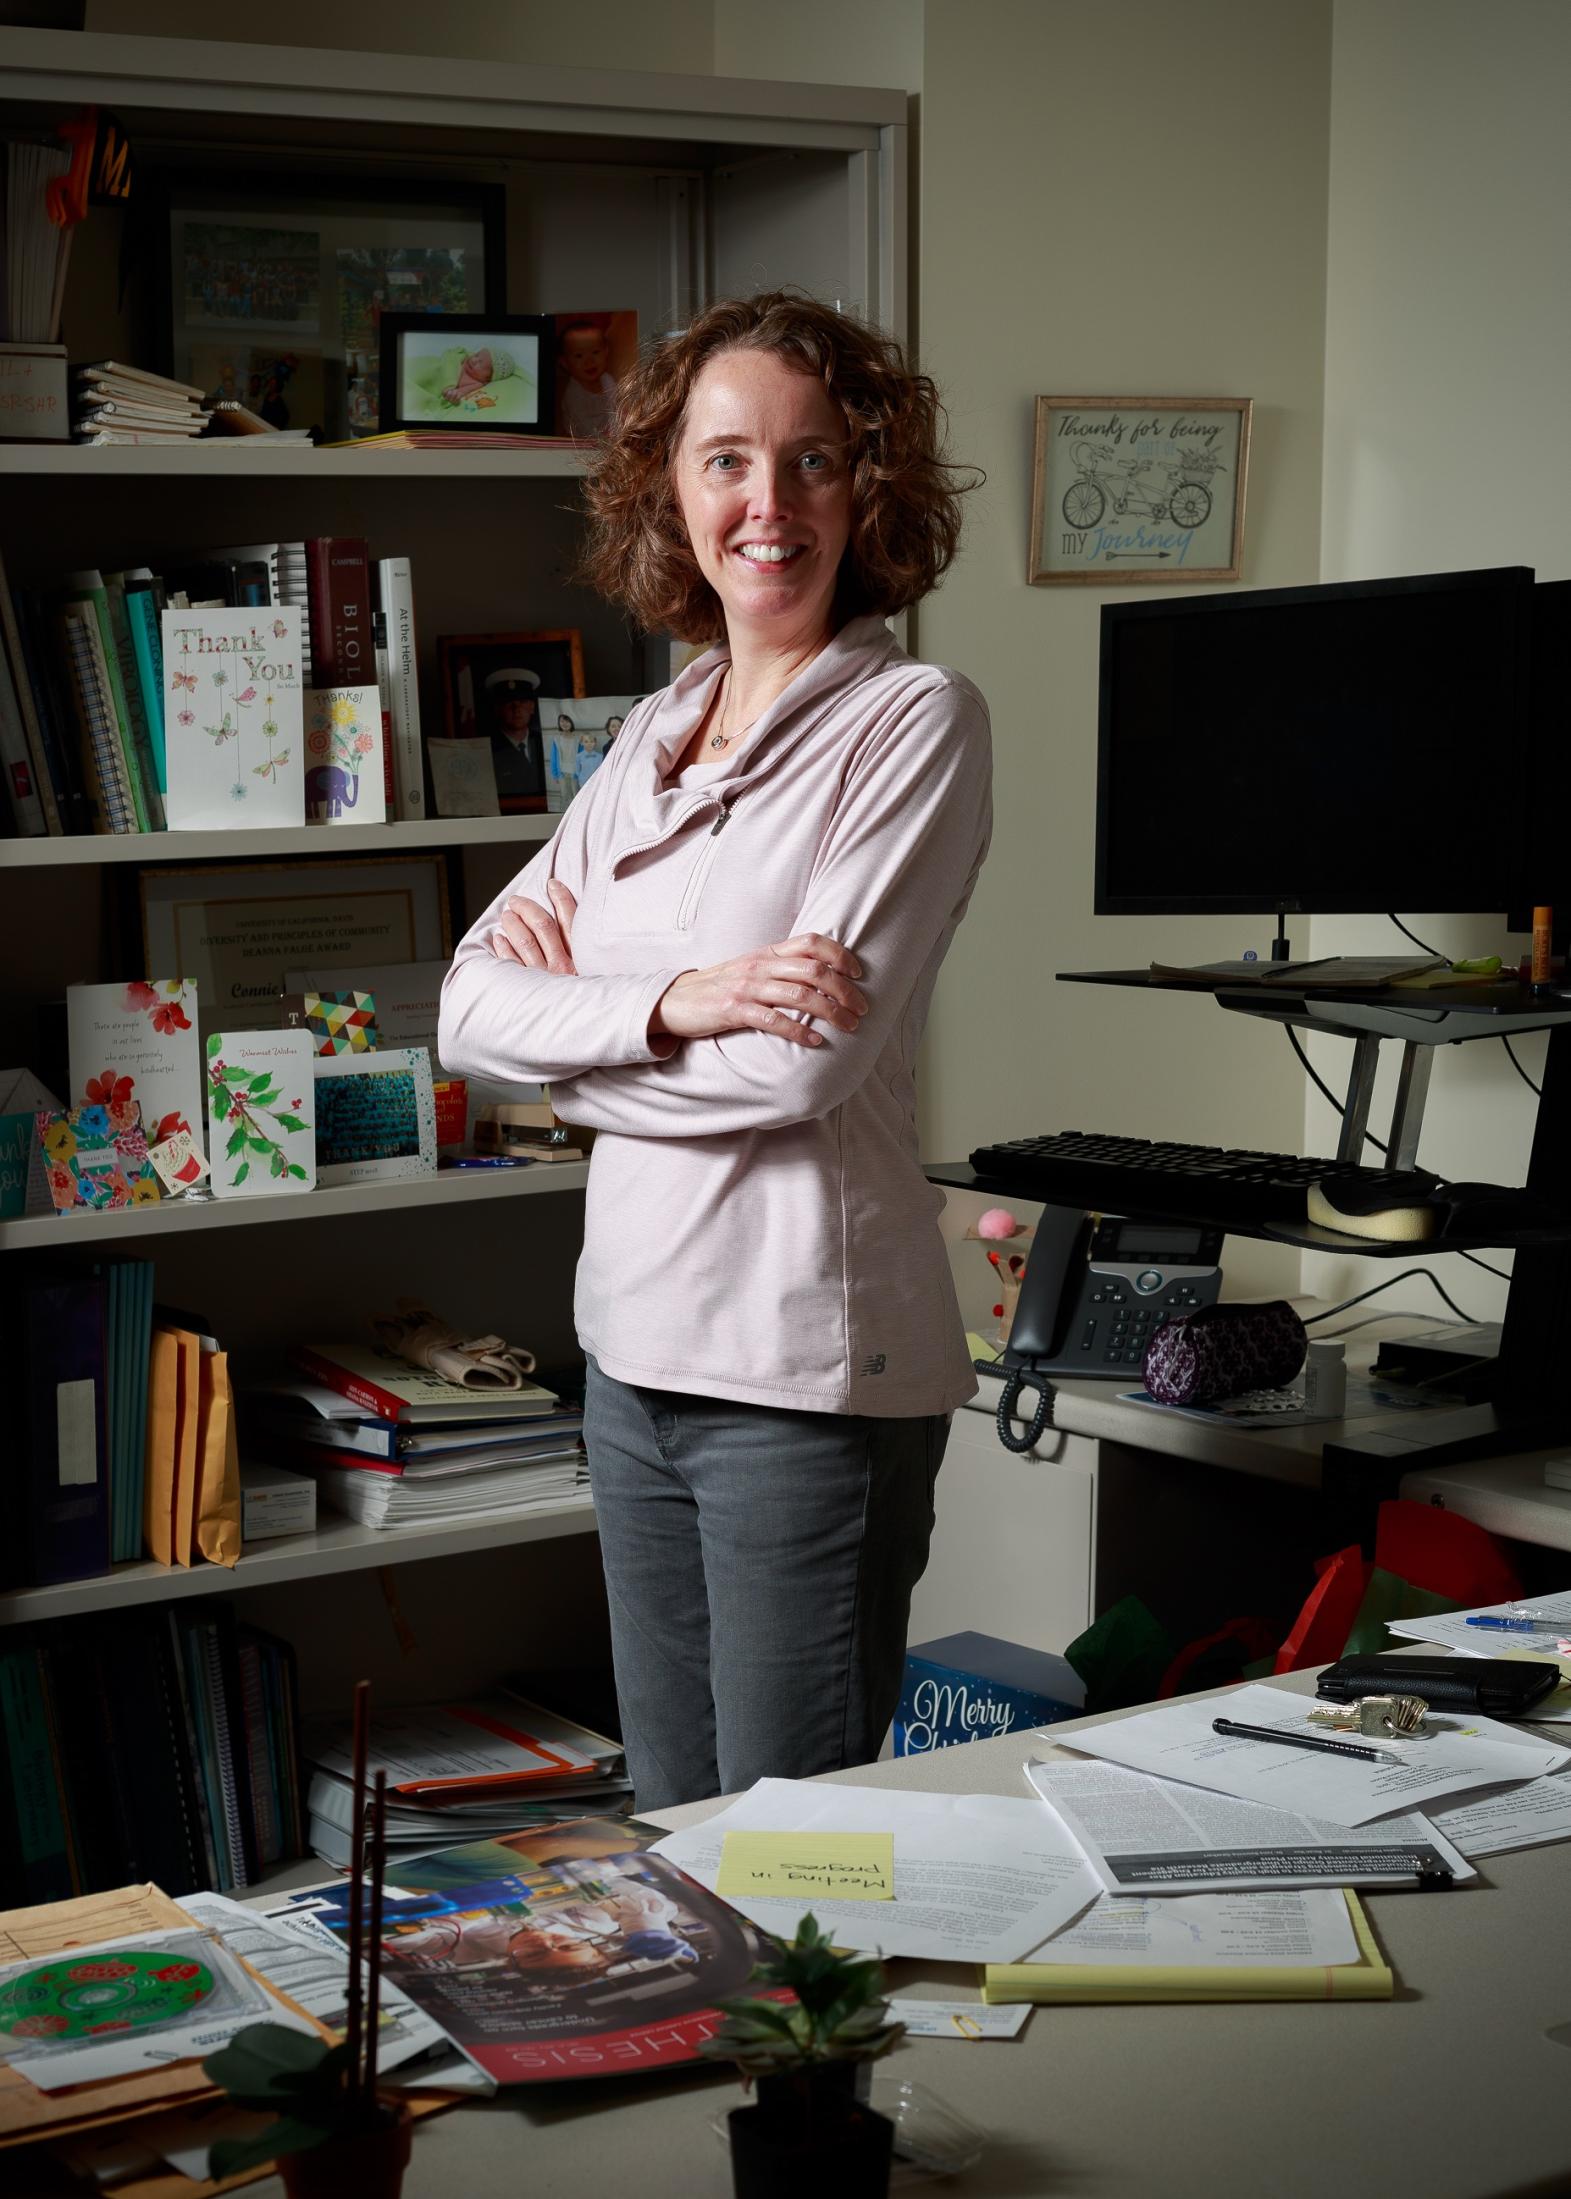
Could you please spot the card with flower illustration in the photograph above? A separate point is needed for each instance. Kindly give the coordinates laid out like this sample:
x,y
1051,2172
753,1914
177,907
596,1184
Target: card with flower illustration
x,y
261,1112
233,730
96,1156
344,777
137,1042
375,1115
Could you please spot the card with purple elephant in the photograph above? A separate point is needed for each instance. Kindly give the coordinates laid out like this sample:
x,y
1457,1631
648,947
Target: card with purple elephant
x,y
345,771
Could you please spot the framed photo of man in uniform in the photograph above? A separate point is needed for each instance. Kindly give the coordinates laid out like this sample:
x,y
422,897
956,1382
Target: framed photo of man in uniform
x,y
491,689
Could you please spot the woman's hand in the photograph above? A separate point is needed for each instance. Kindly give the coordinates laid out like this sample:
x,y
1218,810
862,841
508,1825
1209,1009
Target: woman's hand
x,y
766,991
539,938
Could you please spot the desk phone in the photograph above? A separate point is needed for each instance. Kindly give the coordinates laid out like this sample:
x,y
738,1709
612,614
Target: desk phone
x,y
1097,1287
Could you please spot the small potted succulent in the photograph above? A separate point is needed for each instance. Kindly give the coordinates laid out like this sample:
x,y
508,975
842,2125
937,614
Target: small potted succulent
x,y
809,2131
328,2138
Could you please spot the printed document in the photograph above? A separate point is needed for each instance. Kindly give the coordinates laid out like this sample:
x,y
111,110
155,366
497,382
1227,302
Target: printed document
x,y
1176,1742
978,1877
1281,1930
1513,1817
1146,1835
1552,1614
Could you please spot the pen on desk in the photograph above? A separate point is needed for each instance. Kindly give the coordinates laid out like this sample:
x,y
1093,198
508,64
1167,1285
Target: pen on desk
x,y
1232,1727
1506,1626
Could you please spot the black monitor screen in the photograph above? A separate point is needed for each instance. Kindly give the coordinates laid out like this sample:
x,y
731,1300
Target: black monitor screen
x,y
1347,748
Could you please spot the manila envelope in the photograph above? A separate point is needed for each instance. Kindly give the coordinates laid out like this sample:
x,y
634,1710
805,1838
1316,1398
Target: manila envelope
x,y
218,1462
163,1452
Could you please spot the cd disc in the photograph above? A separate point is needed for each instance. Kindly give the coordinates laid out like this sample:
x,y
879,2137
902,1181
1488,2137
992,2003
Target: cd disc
x,y
116,1989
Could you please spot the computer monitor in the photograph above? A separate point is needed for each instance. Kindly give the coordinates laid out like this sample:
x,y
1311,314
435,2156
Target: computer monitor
x,y
1349,748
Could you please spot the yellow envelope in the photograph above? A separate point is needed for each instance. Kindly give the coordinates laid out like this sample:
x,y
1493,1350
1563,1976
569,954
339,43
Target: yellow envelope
x,y
821,1866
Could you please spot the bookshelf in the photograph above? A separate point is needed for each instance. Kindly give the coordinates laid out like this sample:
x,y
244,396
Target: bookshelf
x,y
654,192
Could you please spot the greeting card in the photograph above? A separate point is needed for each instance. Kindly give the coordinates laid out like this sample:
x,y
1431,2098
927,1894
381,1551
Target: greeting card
x,y
97,1156
261,1112
137,1043
375,1115
24,1185
344,774
342,1023
232,717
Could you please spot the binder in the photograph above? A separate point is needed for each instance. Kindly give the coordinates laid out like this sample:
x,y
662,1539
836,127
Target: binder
x,y
66,1451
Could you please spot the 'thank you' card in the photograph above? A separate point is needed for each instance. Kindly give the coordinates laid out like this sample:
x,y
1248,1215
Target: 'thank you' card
x,y
232,717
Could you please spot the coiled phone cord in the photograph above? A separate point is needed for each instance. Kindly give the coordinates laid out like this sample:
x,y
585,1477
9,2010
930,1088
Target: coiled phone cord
x,y
1041,1420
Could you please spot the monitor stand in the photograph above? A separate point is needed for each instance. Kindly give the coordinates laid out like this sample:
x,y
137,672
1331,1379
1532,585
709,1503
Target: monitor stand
x,y
1531,1406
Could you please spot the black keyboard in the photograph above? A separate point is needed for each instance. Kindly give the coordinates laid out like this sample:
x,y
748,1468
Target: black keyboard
x,y
1142,1175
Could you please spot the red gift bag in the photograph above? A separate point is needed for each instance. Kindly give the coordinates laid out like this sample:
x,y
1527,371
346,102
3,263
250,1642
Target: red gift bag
x,y
1426,1560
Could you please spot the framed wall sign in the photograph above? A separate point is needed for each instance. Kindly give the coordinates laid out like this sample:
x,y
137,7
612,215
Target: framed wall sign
x,y
237,928
1138,489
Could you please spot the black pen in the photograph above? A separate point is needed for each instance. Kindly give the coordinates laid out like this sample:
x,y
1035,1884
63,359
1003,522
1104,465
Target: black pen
x,y
1301,1741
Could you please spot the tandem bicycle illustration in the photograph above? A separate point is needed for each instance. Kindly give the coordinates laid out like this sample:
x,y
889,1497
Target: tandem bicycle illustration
x,y
1175,486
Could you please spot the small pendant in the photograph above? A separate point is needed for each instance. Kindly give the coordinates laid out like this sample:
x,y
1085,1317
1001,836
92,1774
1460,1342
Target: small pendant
x,y
718,740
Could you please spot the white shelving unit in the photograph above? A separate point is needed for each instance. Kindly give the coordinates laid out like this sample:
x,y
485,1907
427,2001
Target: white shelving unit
x,y
649,192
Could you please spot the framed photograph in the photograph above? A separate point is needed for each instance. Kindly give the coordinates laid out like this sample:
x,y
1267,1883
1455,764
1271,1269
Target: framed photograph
x,y
491,689
593,352
375,1116
1138,489
237,928
577,731
468,371
271,289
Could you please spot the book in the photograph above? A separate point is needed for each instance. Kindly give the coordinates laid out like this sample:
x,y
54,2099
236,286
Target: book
x,y
396,585
56,720
138,726
35,1851
299,1421
107,787
137,1041
117,370
337,577
384,697
88,587
389,1388
22,785
16,696
1369,1978
233,725
1366,972
64,1465
144,610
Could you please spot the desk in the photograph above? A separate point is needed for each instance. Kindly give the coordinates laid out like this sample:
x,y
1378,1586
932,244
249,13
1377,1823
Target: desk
x,y
1227,2102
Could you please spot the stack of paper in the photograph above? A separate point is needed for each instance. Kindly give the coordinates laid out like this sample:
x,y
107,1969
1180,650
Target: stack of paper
x,y
459,1772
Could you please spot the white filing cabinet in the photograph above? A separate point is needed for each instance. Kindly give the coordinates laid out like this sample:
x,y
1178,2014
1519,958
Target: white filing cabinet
x,y
1013,1549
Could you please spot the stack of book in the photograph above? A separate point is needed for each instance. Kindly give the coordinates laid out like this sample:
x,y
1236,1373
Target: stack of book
x,y
462,1771
159,1745
115,403
388,1444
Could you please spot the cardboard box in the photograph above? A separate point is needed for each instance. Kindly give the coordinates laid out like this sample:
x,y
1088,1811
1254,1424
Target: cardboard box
x,y
274,1501
973,1687
35,401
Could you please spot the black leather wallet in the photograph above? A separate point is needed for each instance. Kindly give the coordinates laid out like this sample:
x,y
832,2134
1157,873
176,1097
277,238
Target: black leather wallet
x,y
1496,1687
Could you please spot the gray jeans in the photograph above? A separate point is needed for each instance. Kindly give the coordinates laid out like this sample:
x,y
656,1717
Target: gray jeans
x,y
759,1565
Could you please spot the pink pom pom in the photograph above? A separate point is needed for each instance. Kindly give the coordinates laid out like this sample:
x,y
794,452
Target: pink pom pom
x,y
997,1222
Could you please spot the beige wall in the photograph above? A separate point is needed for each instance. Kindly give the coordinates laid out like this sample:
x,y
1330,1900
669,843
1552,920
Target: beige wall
x,y
1078,237
1448,327
622,34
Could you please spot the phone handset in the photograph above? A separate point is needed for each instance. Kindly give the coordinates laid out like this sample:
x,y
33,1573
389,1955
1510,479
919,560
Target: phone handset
x,y
1049,1292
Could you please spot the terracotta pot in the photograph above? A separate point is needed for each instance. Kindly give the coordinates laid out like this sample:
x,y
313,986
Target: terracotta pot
x,y
810,2134
370,2165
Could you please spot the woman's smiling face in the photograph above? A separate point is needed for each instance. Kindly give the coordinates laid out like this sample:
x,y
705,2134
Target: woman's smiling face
x,y
764,489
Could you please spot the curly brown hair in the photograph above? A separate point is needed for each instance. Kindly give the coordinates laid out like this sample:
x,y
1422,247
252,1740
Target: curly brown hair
x,y
905,494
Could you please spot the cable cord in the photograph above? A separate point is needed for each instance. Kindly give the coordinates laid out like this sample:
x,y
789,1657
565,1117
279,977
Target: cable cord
x,y
1536,1089
1041,1420
1406,934
1426,1274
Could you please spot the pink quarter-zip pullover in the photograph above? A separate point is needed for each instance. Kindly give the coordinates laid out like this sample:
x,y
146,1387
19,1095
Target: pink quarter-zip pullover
x,y
757,1222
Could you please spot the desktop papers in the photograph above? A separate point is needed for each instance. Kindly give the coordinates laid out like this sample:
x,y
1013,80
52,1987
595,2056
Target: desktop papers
x,y
1176,1742
1530,1816
978,1877
1150,1836
1282,1930
1452,1630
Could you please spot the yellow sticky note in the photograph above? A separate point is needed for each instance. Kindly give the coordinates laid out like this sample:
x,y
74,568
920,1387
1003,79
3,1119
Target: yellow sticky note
x,y
808,1865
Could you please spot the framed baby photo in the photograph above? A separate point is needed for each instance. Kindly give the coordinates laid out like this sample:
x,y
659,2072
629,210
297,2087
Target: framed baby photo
x,y
491,689
1138,489
468,371
593,352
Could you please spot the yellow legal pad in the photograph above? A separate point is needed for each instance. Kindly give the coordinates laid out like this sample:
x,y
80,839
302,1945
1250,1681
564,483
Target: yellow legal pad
x,y
1366,1979
825,1866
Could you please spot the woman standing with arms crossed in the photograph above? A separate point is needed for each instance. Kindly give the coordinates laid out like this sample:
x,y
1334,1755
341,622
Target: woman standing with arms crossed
x,y
722,963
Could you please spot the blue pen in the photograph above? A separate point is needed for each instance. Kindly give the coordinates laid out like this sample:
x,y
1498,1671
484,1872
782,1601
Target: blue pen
x,y
1507,1626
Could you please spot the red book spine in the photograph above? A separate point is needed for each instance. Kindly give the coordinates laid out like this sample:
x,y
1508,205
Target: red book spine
x,y
323,1454
356,1388
338,586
